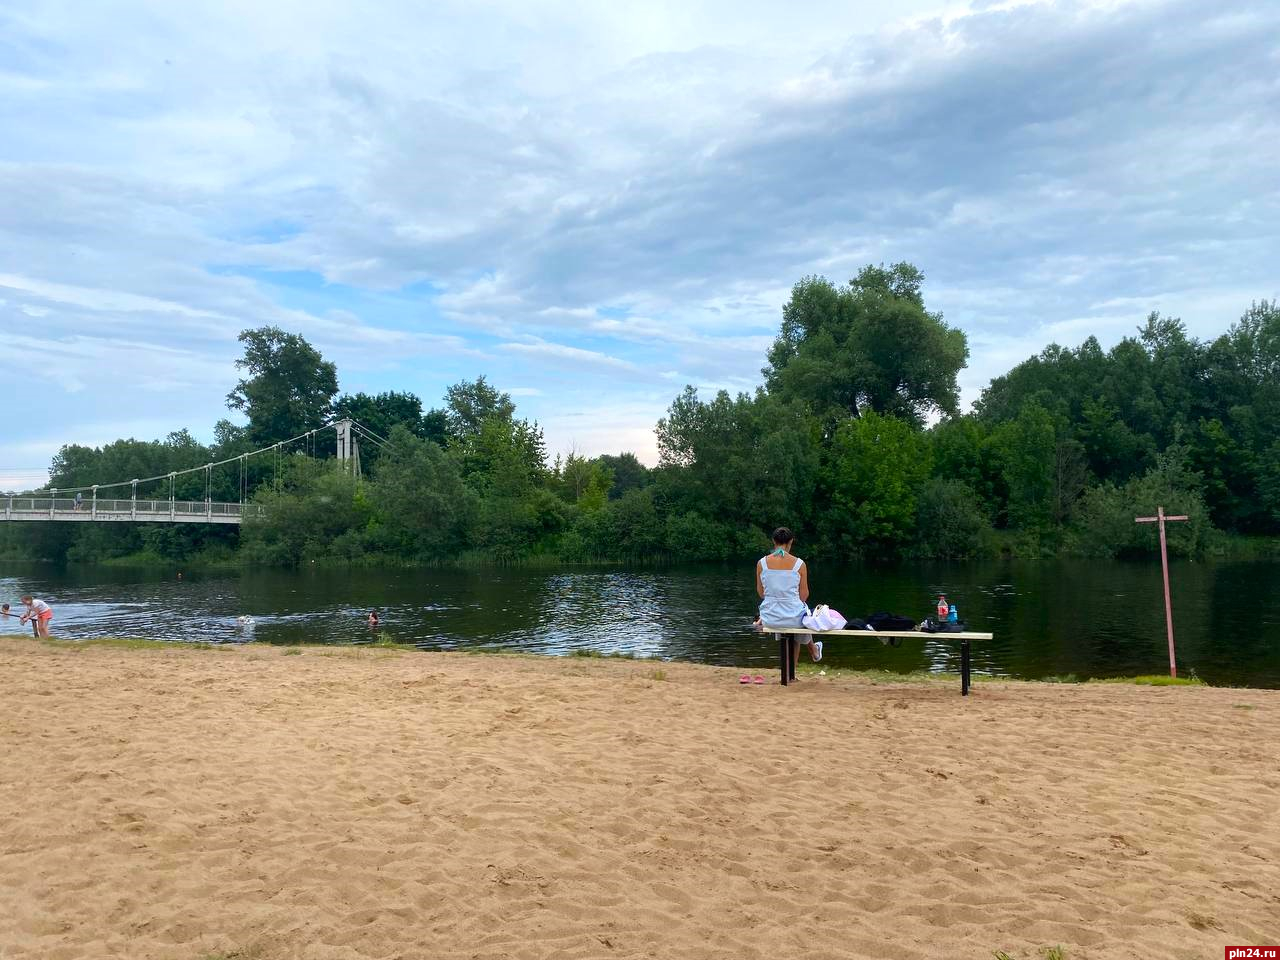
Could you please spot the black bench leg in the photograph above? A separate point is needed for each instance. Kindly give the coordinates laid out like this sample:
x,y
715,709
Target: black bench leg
x,y
792,645
784,650
964,668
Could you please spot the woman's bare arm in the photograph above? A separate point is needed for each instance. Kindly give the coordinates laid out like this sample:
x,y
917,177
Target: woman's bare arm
x,y
804,581
759,583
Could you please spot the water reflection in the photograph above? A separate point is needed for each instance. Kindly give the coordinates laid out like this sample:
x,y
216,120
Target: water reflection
x,y
1050,618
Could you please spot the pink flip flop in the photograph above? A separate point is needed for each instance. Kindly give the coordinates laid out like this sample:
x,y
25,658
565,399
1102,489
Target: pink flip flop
x,y
758,679
744,679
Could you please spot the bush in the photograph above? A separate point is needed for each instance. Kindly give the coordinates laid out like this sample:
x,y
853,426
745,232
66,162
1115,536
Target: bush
x,y
1107,527
950,522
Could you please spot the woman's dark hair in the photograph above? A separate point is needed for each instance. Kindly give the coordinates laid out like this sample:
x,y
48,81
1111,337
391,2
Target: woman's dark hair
x,y
783,535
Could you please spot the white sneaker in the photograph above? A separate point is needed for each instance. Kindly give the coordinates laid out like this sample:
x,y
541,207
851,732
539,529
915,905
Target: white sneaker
x,y
817,651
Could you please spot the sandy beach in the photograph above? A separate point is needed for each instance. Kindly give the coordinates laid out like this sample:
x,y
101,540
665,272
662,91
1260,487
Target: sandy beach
x,y
187,804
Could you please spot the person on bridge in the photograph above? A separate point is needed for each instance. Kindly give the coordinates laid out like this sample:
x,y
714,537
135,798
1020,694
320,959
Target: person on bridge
x,y
40,612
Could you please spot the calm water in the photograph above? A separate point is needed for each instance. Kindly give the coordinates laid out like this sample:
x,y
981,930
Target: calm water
x,y
1049,618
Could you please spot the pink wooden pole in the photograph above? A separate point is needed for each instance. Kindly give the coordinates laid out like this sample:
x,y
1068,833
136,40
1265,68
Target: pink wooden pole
x,y
1160,518
1168,605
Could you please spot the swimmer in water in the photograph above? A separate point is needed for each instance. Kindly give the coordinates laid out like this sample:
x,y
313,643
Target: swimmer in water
x,y
373,619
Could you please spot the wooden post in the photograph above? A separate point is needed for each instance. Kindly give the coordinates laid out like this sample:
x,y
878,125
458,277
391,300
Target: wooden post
x,y
1160,518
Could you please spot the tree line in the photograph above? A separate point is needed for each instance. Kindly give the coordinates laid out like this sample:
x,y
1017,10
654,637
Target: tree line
x,y
855,439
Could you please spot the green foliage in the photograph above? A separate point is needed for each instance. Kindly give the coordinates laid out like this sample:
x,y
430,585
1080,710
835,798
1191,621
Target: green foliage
x,y
472,403
421,507
950,522
878,464
1155,680
383,412
1107,526
1060,454
732,468
319,514
870,345
627,471
290,389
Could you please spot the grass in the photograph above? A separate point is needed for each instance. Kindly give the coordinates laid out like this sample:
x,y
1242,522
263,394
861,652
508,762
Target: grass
x,y
127,643
385,642
363,652
658,674
597,655
292,652
924,676
883,676
1155,680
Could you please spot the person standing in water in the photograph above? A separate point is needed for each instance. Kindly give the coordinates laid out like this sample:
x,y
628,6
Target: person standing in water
x,y
782,582
40,612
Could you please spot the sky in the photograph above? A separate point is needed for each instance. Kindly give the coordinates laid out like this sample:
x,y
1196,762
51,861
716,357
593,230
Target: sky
x,y
594,204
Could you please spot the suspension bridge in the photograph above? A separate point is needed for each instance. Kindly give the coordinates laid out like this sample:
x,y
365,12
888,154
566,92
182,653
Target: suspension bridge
x,y
105,502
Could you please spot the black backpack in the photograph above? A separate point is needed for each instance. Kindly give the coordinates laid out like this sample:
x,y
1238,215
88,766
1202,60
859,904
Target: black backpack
x,y
890,621
932,625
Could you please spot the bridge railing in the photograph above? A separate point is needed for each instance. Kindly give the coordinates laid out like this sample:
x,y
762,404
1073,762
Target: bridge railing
x,y
150,508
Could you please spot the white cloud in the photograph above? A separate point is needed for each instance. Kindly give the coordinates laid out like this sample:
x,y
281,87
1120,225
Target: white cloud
x,y
623,191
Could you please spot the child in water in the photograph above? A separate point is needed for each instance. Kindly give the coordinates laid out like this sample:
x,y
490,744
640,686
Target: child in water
x,y
40,612
373,619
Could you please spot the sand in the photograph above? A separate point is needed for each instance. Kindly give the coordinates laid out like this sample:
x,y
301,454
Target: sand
x,y
251,803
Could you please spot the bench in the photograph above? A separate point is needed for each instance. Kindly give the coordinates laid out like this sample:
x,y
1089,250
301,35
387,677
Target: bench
x,y
786,637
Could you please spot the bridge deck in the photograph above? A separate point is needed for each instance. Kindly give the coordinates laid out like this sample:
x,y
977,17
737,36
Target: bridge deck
x,y
136,511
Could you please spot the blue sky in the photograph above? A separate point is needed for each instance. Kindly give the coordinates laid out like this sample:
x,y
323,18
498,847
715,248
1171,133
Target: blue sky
x,y
594,204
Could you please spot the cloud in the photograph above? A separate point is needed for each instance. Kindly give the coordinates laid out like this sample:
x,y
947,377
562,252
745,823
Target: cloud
x,y
627,192
574,357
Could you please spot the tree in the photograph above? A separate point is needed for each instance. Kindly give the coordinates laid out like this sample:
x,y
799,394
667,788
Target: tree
x,y
749,462
878,463
585,482
383,412
1026,449
470,403
1106,525
870,345
422,509
290,389
950,522
628,473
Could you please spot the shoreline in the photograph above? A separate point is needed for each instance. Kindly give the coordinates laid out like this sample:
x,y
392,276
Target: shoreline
x,y
329,803
805,668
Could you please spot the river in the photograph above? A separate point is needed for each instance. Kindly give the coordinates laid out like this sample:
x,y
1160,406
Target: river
x,y
1050,618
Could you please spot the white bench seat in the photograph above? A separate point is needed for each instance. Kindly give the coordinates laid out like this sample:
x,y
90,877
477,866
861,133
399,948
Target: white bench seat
x,y
786,641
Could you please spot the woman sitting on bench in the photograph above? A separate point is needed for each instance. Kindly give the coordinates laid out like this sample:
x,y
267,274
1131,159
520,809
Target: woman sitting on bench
x,y
782,581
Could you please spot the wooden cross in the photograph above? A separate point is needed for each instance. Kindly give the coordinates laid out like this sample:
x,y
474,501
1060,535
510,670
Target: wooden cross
x,y
1160,518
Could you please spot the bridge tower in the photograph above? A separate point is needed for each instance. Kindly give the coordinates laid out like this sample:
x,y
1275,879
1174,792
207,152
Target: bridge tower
x,y
348,448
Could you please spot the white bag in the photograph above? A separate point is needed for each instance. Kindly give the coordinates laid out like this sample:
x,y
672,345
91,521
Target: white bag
x,y
824,618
